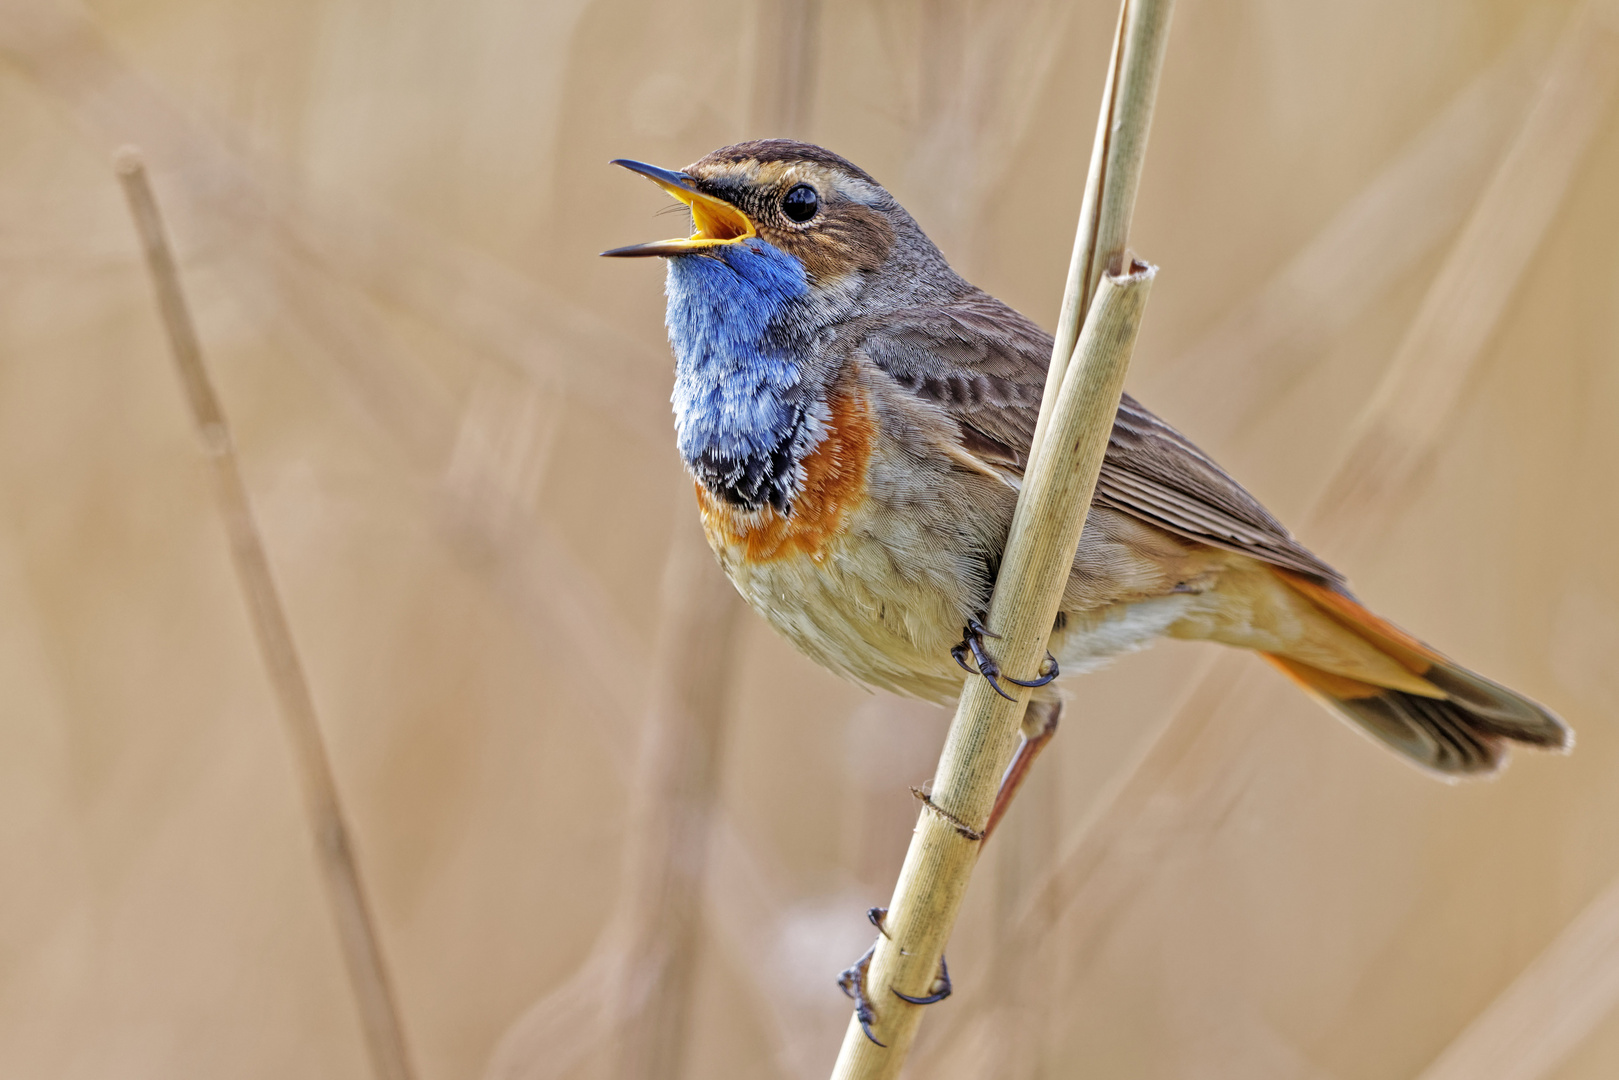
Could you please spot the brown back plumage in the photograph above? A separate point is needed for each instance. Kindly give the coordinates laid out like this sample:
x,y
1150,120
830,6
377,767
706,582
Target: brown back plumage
x,y
984,365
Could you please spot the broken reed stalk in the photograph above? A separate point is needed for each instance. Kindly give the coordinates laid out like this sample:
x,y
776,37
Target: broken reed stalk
x,y
1080,403
1117,153
356,929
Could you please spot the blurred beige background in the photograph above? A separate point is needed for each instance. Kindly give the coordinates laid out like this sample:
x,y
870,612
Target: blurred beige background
x,y
453,422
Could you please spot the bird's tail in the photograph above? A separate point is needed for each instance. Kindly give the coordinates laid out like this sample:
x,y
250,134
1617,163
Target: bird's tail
x,y
1464,729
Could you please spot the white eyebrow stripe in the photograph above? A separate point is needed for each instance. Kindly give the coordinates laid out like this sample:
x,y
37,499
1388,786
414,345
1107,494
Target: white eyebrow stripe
x,y
859,190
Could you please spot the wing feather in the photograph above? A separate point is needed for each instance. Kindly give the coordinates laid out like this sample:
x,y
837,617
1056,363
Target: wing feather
x,y
984,365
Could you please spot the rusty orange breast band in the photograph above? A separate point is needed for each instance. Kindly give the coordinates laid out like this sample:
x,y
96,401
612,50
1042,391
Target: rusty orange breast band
x,y
834,484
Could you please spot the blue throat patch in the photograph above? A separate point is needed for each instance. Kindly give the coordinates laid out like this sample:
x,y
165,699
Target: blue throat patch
x,y
743,418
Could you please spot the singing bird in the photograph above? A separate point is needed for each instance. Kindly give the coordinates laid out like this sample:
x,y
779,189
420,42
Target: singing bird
x,y
857,419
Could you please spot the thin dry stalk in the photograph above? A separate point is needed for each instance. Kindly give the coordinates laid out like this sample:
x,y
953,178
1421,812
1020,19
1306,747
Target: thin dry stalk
x,y
1548,1011
302,281
1180,778
317,274
248,203
356,928
303,294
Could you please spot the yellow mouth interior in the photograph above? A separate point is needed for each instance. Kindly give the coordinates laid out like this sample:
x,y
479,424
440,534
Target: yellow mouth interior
x,y
715,220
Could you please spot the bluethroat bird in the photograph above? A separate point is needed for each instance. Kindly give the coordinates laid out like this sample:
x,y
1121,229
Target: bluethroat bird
x,y
857,419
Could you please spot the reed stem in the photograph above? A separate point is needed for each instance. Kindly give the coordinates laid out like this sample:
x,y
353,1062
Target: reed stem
x,y
1081,399
1039,555
356,927
1109,200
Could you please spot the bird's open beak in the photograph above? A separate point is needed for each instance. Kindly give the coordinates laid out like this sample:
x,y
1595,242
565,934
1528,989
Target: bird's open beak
x,y
717,221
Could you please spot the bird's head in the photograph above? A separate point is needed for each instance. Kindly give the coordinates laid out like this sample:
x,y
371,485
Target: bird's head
x,y
790,245
824,212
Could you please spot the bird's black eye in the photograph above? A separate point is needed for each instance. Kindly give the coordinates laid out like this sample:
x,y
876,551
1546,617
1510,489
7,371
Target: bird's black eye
x,y
800,203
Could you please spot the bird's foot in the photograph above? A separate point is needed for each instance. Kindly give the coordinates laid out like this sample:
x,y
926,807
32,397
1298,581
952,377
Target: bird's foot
x,y
853,981
938,990
972,640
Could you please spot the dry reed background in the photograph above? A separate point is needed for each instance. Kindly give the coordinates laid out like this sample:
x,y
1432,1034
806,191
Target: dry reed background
x,y
452,422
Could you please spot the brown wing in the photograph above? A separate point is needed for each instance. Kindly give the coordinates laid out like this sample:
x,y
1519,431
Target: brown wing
x,y
985,366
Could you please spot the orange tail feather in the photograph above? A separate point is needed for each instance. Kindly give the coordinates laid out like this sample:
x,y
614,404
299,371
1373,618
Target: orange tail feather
x,y
1468,731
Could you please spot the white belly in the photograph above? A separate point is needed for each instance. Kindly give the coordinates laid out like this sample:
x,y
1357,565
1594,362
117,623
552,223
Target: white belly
x,y
862,608
878,609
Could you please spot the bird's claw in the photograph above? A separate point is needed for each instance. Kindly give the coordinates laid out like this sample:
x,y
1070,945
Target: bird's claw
x,y
972,638
853,981
940,988
1048,671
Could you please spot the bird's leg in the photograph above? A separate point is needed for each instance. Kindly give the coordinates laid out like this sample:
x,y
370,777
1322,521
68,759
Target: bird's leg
x,y
1039,726
972,639
853,980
